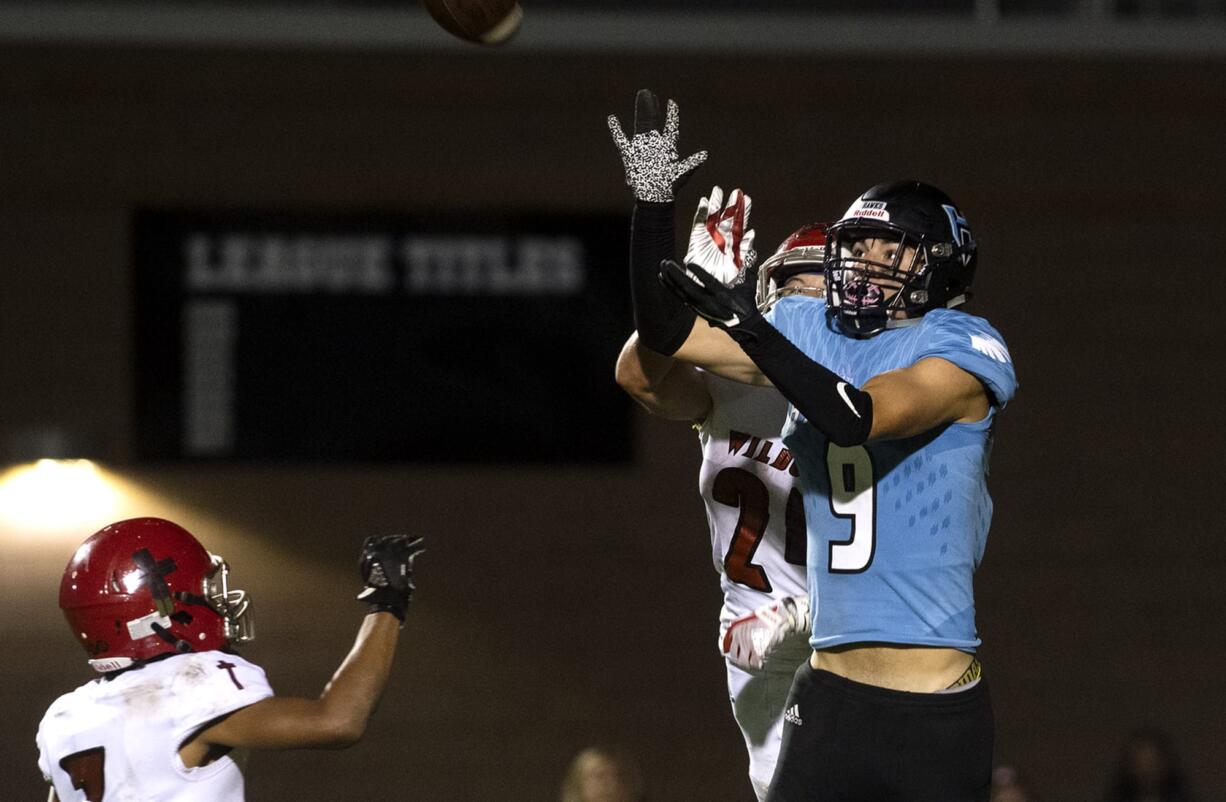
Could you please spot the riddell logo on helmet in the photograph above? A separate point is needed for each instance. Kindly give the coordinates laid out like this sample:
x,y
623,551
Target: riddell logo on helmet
x,y
874,209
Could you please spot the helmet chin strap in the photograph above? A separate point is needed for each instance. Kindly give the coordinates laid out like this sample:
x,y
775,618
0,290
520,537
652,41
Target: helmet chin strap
x,y
106,665
181,646
902,322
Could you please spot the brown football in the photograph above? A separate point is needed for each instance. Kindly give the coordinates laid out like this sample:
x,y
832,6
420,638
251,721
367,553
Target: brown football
x,y
486,22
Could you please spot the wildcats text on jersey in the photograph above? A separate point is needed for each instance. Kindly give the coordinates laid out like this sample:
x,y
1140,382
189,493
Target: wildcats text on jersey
x,y
759,450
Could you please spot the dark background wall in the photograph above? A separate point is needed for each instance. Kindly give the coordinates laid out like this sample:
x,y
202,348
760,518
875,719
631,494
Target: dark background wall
x,y
562,608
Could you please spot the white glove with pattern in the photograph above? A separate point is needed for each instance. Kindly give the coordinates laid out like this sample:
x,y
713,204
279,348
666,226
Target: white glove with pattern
x,y
720,243
653,168
751,638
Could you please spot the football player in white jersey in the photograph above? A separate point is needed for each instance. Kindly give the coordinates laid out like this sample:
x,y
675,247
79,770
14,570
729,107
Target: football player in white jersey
x,y
747,476
175,707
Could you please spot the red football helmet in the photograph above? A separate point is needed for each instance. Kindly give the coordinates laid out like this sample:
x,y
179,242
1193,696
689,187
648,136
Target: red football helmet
x,y
144,587
804,251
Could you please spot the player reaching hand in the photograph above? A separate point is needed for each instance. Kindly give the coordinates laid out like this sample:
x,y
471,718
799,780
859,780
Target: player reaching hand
x,y
894,392
747,479
155,612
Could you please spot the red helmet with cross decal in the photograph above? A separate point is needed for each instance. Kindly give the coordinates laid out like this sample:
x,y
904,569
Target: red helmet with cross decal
x,y
144,587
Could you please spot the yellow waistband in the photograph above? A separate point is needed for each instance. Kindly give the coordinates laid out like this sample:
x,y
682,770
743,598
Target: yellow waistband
x,y
973,672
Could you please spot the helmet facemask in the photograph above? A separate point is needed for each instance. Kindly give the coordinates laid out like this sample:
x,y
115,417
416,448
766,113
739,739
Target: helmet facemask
x,y
234,606
774,284
869,295
803,252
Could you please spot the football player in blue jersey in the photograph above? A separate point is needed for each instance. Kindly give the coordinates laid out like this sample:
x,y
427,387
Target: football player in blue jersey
x,y
894,391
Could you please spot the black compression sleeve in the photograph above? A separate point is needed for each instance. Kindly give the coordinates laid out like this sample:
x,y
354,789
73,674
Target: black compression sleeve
x,y
662,320
841,412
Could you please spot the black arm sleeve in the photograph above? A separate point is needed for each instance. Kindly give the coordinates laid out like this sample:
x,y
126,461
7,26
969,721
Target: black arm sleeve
x,y
841,412
662,319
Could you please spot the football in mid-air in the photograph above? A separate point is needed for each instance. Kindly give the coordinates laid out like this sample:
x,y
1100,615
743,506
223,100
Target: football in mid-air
x,y
486,22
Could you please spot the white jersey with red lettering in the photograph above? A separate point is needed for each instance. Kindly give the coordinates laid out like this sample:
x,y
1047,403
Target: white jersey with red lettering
x,y
747,481
118,739
758,543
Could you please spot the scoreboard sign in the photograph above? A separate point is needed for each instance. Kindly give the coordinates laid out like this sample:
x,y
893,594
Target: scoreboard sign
x,y
441,339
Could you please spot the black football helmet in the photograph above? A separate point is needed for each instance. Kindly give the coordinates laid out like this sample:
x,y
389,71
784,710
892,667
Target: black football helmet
x,y
931,265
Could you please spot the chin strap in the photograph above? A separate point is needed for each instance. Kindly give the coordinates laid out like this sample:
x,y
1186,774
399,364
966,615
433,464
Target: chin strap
x,y
193,598
181,646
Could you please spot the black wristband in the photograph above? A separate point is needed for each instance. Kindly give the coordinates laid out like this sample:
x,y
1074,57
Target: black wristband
x,y
386,600
662,320
838,410
396,610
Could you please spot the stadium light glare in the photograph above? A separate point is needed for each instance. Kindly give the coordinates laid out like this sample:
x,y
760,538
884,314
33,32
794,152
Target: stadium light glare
x,y
52,495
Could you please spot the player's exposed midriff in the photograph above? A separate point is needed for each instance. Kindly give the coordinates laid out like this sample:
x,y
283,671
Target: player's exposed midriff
x,y
917,669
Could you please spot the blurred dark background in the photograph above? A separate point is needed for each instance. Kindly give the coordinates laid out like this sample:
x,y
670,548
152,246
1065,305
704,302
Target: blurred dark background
x,y
569,605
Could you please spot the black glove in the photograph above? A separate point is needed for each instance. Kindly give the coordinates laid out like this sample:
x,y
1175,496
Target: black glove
x,y
723,306
386,566
842,412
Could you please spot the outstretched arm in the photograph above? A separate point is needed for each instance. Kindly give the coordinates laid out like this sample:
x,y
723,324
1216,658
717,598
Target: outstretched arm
x,y
339,716
711,349
661,384
721,242
912,400
653,170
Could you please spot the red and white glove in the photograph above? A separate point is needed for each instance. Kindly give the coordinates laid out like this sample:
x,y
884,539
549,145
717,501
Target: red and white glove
x,y
720,243
750,639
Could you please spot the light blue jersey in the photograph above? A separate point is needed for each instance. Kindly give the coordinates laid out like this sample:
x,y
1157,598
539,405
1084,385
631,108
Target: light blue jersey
x,y
896,528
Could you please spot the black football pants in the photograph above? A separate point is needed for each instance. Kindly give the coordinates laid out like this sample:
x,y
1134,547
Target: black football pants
x,y
844,741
